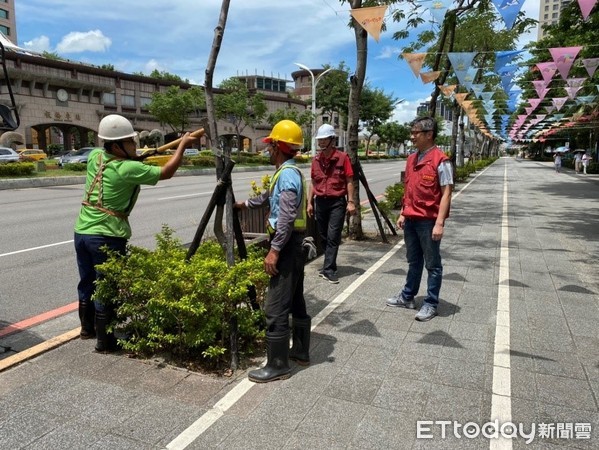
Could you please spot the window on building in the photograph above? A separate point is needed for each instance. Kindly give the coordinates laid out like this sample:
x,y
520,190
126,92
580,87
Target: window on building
x,y
128,101
260,83
5,30
555,7
554,16
546,16
145,101
3,14
109,98
546,7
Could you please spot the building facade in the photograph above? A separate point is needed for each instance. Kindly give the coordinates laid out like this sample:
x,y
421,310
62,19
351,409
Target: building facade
x,y
66,100
8,21
549,12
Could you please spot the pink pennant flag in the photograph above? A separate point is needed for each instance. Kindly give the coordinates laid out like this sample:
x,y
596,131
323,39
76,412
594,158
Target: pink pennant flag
x,y
529,110
547,70
543,93
564,58
586,6
540,85
590,64
575,82
534,102
558,102
572,91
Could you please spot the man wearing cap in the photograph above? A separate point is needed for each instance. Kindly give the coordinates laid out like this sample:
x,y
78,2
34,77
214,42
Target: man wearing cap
x,y
112,185
331,196
285,259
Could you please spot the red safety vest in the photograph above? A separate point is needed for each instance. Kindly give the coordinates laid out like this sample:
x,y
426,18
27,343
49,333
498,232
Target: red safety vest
x,y
422,195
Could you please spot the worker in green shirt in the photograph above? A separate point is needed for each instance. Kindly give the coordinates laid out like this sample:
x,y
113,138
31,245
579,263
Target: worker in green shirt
x,y
114,177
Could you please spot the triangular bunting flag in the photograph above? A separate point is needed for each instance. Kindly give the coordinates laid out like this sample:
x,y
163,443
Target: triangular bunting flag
x,y
564,58
415,60
448,90
547,70
371,19
427,77
590,64
586,6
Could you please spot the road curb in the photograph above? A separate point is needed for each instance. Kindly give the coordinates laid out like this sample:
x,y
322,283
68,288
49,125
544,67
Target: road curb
x,y
38,349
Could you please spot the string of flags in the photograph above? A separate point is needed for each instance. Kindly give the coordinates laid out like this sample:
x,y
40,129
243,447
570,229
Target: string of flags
x,y
482,110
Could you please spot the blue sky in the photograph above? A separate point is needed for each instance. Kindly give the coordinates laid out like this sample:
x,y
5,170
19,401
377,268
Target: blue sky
x,y
264,37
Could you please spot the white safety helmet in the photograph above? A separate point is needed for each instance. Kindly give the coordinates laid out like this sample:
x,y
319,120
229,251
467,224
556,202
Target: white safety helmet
x,y
115,128
325,131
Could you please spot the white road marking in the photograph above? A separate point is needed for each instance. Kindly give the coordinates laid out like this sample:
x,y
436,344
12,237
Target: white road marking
x,y
35,248
186,196
501,400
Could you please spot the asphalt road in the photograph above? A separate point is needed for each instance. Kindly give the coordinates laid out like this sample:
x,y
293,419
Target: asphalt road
x,y
38,272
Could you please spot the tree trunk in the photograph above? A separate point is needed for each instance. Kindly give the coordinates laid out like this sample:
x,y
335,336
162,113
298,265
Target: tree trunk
x,y
355,92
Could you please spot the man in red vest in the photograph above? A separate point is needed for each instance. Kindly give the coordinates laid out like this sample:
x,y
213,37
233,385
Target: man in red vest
x,y
426,203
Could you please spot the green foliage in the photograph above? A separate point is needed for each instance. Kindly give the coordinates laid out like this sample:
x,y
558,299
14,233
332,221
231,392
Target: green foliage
x,y
54,149
164,75
206,153
393,198
181,308
75,167
238,106
462,173
175,106
16,169
332,91
107,67
203,161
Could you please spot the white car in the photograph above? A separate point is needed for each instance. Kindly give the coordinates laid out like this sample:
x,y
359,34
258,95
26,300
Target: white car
x,y
8,155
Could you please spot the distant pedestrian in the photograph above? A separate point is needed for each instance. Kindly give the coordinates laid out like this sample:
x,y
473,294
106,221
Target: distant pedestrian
x,y
557,160
284,261
331,196
426,203
578,162
586,159
113,184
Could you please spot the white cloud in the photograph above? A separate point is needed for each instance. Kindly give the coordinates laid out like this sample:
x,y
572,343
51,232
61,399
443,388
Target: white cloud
x,y
152,65
89,41
39,44
388,52
406,112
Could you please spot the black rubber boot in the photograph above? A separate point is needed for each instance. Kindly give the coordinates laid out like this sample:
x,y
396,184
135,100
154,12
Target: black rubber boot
x,y
106,342
300,351
87,313
277,365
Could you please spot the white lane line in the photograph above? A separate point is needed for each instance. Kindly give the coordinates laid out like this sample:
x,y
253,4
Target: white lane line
x,y
35,248
185,196
501,400
196,429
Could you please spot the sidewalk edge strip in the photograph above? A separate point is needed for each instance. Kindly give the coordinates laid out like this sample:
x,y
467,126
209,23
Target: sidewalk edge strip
x,y
39,349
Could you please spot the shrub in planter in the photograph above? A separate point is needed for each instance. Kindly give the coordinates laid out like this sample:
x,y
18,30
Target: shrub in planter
x,y
184,309
75,167
393,198
462,174
16,169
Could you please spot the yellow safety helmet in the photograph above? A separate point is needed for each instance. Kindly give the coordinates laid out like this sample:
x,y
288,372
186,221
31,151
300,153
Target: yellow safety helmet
x,y
286,131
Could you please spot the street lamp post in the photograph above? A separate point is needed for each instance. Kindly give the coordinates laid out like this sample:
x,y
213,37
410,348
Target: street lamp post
x,y
314,83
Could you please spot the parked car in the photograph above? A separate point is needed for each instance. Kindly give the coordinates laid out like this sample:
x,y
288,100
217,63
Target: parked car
x,y
76,156
8,155
31,154
159,159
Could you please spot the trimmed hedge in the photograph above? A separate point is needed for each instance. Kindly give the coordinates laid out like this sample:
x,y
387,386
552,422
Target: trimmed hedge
x,y
16,169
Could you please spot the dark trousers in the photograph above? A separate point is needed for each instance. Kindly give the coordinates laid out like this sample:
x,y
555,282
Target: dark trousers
x,y
89,255
330,215
286,289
